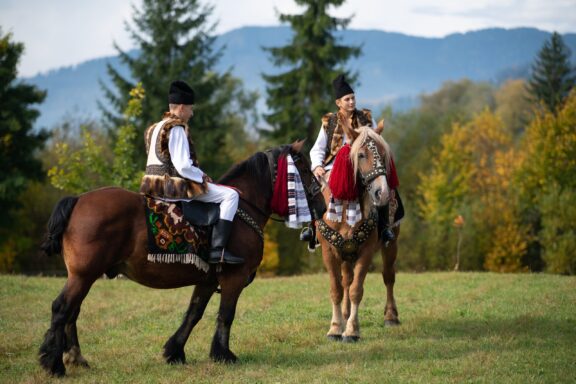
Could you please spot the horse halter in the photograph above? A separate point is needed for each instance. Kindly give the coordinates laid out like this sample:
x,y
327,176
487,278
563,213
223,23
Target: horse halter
x,y
378,166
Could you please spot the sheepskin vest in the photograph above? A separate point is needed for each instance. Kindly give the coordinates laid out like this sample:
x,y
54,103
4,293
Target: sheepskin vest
x,y
335,130
161,178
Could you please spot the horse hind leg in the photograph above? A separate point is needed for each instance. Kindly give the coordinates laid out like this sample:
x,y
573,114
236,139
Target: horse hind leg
x,y
174,347
72,353
64,310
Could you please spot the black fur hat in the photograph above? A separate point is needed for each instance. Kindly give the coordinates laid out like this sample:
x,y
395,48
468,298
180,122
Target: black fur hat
x,y
341,87
180,93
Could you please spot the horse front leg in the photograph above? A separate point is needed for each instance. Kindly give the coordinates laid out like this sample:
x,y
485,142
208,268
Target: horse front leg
x,y
347,278
174,347
389,254
352,331
232,285
333,266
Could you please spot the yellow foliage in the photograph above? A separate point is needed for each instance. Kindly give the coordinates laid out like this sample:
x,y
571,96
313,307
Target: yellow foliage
x,y
271,259
8,253
475,166
549,150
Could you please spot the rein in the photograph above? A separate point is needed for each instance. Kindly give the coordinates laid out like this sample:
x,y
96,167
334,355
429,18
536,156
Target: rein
x,y
245,217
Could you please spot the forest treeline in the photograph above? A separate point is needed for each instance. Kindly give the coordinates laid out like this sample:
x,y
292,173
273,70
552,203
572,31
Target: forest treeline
x,y
487,171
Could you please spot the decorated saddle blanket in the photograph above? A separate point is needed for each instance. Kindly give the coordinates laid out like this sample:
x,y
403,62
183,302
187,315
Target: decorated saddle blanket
x,y
171,239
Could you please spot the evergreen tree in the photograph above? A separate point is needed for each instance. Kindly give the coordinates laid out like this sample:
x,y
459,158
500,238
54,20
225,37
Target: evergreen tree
x,y
174,41
18,141
552,75
299,97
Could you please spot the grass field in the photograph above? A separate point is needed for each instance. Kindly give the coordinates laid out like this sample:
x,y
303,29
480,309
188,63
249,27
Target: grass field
x,y
456,328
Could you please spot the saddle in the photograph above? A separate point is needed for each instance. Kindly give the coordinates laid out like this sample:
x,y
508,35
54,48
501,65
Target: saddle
x,y
179,232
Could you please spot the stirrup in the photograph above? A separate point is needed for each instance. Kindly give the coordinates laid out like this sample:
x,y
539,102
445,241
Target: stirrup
x,y
306,234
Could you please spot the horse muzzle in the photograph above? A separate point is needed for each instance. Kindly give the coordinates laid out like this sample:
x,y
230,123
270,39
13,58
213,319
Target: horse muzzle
x,y
379,191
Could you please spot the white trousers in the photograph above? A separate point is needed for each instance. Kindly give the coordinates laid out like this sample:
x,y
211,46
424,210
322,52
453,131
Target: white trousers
x,y
227,198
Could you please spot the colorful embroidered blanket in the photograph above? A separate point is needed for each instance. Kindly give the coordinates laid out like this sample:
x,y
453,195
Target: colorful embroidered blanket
x,y
171,239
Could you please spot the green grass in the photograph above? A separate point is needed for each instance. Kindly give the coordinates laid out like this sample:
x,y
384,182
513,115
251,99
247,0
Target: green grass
x,y
456,328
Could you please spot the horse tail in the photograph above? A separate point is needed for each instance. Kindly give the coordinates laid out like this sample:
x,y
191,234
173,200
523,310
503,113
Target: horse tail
x,y
57,225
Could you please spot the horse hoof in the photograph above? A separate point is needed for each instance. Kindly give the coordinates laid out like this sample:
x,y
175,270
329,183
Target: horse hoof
x,y
174,360
350,339
74,357
391,323
226,357
334,337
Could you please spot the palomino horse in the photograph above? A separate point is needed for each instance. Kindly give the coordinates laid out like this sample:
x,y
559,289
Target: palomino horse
x,y
104,231
347,251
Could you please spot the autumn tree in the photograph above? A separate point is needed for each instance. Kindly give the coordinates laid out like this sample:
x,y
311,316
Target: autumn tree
x,y
547,185
97,162
470,176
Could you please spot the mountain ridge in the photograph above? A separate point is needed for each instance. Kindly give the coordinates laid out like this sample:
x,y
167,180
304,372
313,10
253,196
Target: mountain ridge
x,y
394,68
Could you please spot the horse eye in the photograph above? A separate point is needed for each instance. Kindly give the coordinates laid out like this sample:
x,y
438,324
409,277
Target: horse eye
x,y
362,155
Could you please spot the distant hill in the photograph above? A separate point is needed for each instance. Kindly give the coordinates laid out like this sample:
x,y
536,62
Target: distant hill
x,y
394,68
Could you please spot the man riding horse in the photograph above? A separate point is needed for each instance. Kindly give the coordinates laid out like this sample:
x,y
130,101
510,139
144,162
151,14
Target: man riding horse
x,y
173,174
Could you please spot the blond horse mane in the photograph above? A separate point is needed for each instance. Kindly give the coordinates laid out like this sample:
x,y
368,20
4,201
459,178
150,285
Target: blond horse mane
x,y
365,133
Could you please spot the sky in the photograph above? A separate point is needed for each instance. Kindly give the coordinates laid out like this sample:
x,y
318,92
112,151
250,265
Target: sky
x,y
59,33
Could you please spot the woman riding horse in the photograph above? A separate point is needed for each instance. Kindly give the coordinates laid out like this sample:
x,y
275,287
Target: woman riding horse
x,y
105,232
341,128
348,234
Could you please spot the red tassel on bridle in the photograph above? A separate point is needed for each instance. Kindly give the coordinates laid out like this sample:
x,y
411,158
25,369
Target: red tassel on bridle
x,y
279,203
342,179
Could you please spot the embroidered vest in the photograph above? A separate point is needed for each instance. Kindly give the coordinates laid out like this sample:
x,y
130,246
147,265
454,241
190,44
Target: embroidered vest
x,y
335,131
161,178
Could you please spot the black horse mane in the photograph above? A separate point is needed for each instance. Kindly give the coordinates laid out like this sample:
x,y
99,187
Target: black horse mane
x,y
256,167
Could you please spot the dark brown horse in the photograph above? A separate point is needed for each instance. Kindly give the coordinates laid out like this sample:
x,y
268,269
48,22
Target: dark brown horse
x,y
347,250
104,232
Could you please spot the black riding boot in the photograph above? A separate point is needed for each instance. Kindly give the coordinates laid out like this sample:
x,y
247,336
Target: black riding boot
x,y
220,235
385,234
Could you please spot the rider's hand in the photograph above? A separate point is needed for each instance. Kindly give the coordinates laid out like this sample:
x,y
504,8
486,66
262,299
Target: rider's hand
x,y
207,178
319,172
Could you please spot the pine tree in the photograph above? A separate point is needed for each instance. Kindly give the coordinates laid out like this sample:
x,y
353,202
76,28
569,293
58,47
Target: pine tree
x,y
174,40
299,97
552,75
18,141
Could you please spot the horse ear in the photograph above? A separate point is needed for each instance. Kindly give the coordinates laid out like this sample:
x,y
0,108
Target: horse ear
x,y
380,127
297,145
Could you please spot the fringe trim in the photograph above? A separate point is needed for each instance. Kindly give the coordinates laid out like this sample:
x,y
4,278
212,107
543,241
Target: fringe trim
x,y
183,258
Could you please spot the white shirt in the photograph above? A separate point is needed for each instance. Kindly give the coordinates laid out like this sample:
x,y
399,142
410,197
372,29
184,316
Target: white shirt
x,y
318,151
180,155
